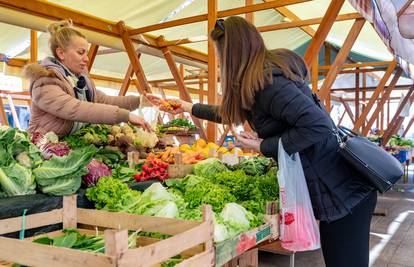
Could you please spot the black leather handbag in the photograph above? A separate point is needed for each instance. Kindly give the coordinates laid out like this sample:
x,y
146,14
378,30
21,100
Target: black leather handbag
x,y
377,165
380,168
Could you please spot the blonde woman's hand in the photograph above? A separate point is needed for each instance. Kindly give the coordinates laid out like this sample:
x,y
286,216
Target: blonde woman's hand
x,y
140,122
249,141
249,135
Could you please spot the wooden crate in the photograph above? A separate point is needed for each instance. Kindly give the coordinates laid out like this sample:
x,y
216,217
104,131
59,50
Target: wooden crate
x,y
186,235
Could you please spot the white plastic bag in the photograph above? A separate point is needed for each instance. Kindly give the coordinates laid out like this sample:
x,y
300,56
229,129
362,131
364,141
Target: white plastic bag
x,y
148,111
298,228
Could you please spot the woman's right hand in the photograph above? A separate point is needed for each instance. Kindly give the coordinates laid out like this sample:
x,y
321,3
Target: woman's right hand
x,y
140,122
157,101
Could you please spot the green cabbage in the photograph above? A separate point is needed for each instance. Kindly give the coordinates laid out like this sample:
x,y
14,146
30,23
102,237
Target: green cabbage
x,y
208,167
17,180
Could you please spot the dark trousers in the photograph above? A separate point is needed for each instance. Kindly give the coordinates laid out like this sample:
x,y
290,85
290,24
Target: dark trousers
x,y
345,242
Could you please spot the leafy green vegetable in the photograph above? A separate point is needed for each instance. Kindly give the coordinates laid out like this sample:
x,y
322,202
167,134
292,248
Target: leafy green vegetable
x,y
255,165
208,167
111,157
17,180
62,175
397,140
96,134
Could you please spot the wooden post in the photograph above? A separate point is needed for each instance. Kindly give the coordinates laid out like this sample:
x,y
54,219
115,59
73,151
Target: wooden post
x,y
69,212
212,68
388,113
133,57
314,71
392,128
364,93
380,104
93,50
342,117
127,80
116,242
323,30
249,16
327,54
207,217
181,86
33,46
340,58
201,88
374,96
357,93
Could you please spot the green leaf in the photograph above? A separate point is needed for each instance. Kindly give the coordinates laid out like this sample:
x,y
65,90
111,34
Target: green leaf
x,y
43,240
66,241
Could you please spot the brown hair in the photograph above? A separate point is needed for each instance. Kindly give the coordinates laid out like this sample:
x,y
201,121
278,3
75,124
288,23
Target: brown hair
x,y
61,34
246,66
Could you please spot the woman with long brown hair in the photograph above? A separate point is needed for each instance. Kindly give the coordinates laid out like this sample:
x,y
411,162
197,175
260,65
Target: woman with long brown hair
x,y
268,89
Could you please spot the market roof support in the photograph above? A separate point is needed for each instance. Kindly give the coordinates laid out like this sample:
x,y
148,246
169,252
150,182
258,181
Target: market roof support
x,y
410,123
127,80
397,120
374,96
323,30
181,86
212,68
314,76
340,58
33,46
342,117
93,50
250,16
133,57
357,93
348,110
380,105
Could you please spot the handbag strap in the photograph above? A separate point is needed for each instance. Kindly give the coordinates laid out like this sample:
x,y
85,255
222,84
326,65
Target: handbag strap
x,y
340,132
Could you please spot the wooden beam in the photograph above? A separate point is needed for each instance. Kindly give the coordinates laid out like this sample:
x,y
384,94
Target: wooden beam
x,y
93,49
306,22
380,105
220,14
249,16
33,46
340,58
314,76
374,96
178,76
323,30
358,70
370,88
212,68
284,11
357,94
348,110
127,80
410,123
3,115
395,122
44,9
358,65
342,117
133,57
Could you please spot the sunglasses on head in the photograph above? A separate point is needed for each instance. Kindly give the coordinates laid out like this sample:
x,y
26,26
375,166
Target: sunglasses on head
x,y
220,24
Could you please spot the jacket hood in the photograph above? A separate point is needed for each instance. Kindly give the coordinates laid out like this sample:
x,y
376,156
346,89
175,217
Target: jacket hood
x,y
47,68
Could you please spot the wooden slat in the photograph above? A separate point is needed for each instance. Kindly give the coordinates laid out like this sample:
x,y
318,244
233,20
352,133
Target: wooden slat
x,y
380,105
32,221
340,58
220,14
133,222
342,117
32,254
306,22
181,86
212,69
205,258
323,30
116,242
359,121
127,80
165,249
357,94
358,65
33,46
133,57
69,213
93,50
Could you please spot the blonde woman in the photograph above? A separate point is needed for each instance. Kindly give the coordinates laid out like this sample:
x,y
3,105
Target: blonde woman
x,y
64,98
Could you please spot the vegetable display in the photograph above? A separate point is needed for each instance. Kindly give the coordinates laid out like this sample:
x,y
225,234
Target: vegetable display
x,y
96,169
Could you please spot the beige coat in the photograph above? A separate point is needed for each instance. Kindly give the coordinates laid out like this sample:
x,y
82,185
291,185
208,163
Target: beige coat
x,y
55,106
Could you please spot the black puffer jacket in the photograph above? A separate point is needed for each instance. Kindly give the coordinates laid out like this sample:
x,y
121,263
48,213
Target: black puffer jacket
x,y
285,109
